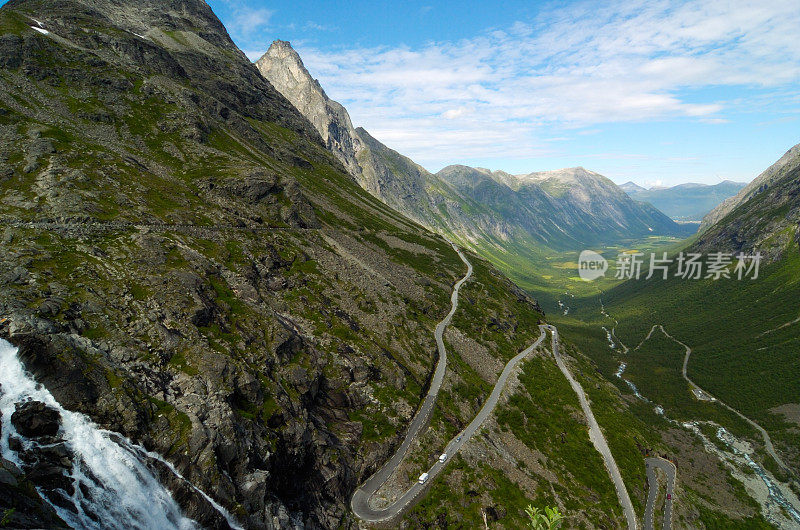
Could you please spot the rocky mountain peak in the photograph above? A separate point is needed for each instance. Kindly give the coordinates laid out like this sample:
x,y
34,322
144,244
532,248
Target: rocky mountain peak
x,y
282,50
282,66
286,69
632,187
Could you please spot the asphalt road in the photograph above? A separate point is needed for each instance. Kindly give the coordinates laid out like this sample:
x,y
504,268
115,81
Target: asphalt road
x,y
596,437
360,501
669,470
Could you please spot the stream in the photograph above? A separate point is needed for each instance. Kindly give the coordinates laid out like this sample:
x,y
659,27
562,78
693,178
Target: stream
x,y
105,482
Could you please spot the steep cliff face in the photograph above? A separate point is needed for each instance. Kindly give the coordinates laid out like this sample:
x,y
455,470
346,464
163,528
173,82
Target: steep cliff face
x,y
186,263
282,66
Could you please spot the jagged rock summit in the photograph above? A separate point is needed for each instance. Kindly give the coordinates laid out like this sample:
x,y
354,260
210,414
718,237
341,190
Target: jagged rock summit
x,y
282,66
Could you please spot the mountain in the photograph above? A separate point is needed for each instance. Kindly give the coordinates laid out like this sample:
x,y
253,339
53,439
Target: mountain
x,y
631,187
685,202
491,212
763,217
393,178
743,333
743,336
283,67
712,363
566,208
186,264
786,164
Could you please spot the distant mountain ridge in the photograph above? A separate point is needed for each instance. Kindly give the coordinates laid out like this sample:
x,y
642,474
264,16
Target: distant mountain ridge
x,y
571,206
685,202
568,208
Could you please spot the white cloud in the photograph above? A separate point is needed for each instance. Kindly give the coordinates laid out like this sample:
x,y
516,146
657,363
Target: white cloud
x,y
455,113
313,26
246,21
503,92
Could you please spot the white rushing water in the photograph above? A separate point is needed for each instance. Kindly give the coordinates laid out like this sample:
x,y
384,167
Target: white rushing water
x,y
630,384
609,338
114,489
776,494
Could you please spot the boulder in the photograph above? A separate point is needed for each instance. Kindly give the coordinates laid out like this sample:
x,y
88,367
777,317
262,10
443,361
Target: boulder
x,y
34,419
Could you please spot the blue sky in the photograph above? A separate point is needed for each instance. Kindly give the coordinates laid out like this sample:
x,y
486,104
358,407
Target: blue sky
x,y
651,91
655,92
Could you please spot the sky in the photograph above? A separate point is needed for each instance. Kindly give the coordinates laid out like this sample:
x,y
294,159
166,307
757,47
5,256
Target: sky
x,y
657,92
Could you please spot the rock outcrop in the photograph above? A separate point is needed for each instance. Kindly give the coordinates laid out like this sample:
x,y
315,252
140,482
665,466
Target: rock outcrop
x,y
282,66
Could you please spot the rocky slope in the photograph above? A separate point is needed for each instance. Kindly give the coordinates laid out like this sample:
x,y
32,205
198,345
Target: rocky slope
x,y
787,163
186,263
685,202
764,216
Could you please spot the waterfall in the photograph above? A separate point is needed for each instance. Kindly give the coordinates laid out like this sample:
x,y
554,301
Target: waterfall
x,y
113,487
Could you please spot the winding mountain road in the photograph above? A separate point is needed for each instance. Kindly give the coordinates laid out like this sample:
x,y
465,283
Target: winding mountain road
x,y
596,436
669,470
360,503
